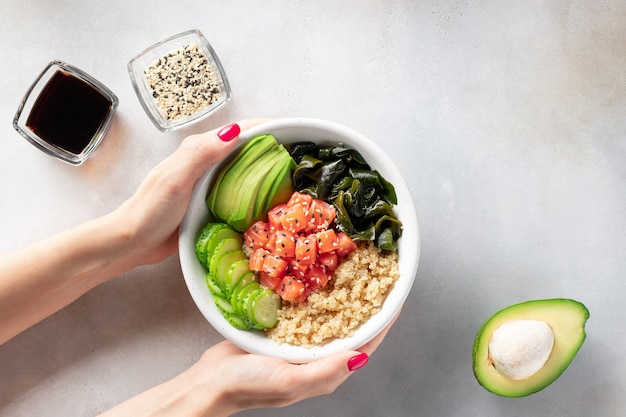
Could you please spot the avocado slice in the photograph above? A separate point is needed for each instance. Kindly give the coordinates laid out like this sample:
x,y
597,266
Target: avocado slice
x,y
525,347
276,187
282,188
240,217
229,180
256,179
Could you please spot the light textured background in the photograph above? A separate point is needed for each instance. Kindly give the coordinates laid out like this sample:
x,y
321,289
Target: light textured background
x,y
507,119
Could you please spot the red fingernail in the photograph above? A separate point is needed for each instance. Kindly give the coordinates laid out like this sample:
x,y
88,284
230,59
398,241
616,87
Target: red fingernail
x,y
358,361
229,132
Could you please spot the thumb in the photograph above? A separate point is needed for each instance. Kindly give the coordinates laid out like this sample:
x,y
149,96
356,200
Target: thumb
x,y
323,376
200,151
331,371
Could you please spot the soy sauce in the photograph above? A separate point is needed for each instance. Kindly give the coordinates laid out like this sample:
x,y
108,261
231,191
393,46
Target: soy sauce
x,y
68,112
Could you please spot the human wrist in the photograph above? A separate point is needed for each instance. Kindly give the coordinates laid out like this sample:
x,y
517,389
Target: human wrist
x,y
115,243
137,240
208,396
185,395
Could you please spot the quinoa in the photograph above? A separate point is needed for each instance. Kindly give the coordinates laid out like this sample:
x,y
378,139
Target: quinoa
x,y
356,292
183,82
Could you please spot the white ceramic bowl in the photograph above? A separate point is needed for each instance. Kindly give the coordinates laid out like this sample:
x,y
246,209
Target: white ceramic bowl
x,y
289,131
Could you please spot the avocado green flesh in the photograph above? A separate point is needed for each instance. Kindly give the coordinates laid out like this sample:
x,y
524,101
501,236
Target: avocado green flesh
x,y
567,320
259,144
256,179
243,202
276,188
232,178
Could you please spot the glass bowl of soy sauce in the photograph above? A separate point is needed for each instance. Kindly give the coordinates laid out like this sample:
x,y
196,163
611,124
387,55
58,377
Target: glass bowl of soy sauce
x,y
66,112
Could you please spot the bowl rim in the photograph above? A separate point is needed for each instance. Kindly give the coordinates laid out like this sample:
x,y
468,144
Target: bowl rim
x,y
256,342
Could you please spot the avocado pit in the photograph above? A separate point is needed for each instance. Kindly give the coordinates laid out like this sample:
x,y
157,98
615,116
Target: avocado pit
x,y
518,349
525,347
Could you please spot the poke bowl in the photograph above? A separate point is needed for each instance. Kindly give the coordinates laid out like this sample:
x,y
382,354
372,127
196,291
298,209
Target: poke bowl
x,y
406,245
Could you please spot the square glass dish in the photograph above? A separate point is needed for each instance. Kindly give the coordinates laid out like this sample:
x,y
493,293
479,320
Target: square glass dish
x,y
65,112
179,80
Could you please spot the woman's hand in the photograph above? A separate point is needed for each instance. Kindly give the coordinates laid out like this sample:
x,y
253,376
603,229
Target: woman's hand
x,y
227,380
142,230
249,381
152,215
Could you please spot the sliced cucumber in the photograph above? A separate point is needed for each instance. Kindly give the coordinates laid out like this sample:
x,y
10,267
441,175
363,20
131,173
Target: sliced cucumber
x,y
237,321
222,267
265,308
201,244
238,300
224,246
249,301
242,286
213,287
223,304
236,271
246,279
236,290
218,236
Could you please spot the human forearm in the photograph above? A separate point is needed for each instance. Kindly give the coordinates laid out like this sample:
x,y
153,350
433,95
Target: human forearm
x,y
227,380
44,277
39,280
185,395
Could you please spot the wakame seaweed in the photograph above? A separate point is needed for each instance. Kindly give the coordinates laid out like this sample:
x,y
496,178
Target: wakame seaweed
x,y
363,198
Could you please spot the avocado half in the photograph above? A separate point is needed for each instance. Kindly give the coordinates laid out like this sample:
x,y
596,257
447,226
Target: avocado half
x,y
525,347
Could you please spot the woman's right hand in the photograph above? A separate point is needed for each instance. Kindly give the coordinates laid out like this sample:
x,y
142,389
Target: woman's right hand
x,y
247,381
227,380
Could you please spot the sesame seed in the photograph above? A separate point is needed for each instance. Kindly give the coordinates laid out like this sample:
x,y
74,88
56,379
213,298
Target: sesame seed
x,y
182,82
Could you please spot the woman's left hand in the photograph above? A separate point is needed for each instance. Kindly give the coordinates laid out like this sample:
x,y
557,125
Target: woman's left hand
x,y
152,215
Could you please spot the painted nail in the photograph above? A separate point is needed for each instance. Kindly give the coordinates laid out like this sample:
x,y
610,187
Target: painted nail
x,y
358,361
229,132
